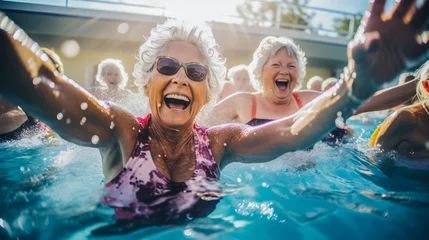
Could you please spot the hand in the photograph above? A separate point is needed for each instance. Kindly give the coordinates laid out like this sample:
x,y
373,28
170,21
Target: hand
x,y
386,44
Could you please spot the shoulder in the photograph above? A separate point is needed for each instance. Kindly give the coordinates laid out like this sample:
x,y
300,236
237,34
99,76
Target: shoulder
x,y
221,137
118,115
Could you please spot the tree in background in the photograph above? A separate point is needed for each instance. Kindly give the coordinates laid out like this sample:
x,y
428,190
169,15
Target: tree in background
x,y
258,13
341,25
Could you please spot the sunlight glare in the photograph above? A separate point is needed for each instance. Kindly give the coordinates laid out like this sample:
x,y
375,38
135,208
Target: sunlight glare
x,y
202,10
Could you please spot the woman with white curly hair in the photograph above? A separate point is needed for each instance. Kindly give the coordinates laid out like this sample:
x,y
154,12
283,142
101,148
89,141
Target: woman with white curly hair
x,y
112,78
277,72
155,166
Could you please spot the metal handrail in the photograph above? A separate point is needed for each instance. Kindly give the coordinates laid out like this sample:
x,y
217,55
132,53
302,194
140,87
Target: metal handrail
x,y
274,22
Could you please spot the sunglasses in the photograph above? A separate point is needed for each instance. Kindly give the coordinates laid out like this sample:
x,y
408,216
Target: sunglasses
x,y
170,66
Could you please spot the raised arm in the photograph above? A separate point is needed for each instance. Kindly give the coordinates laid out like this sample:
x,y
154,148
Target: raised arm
x,y
227,110
385,47
30,81
389,97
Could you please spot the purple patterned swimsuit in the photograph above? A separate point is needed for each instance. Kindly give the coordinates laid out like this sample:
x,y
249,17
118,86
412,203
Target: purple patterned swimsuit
x,y
142,192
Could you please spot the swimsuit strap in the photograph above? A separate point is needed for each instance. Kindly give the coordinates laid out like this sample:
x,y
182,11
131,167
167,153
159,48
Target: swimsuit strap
x,y
297,99
253,107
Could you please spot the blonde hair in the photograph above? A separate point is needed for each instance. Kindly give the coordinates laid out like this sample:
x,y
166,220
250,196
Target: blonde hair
x,y
107,63
268,47
422,74
200,35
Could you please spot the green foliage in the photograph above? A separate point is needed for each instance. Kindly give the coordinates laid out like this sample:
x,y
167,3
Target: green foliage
x,y
341,25
264,13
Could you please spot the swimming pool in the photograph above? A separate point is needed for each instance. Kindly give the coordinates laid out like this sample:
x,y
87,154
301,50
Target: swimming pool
x,y
51,191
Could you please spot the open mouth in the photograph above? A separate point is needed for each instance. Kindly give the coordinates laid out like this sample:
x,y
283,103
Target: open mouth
x,y
175,101
282,84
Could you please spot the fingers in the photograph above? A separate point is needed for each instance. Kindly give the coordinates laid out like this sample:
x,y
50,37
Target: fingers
x,y
420,18
369,44
377,8
402,8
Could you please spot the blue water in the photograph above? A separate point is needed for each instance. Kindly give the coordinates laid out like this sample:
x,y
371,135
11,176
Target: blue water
x,y
51,191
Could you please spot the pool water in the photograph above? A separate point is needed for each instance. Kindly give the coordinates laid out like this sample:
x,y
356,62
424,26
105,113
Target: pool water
x,y
51,191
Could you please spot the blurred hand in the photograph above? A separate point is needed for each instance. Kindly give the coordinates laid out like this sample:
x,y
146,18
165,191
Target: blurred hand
x,y
386,44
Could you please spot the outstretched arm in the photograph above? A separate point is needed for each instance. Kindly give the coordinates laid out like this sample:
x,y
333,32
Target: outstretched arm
x,y
30,81
389,98
385,47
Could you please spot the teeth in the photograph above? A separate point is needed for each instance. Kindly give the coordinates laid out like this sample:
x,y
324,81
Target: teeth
x,y
179,97
282,80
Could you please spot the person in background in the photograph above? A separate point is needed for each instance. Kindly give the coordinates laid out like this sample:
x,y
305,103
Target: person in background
x,y
239,81
155,166
277,70
113,79
315,83
328,83
406,130
14,122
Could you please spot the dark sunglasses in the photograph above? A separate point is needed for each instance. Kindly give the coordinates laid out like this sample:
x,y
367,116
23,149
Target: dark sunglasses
x,y
170,66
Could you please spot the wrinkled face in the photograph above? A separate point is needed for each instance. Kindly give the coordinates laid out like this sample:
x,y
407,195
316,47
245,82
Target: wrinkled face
x,y
279,75
176,100
112,76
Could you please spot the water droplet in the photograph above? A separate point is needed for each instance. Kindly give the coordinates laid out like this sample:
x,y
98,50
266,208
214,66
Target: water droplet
x,y
339,122
134,128
56,93
224,144
34,47
60,116
31,62
44,159
19,35
37,80
265,185
112,125
339,113
188,216
22,168
187,232
44,57
238,179
4,22
70,48
68,120
95,139
112,116
159,155
83,120
123,28
159,105
51,84
84,106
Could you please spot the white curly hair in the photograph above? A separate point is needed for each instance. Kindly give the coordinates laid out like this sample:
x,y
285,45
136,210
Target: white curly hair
x,y
268,47
199,35
111,62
